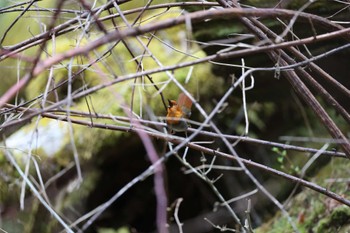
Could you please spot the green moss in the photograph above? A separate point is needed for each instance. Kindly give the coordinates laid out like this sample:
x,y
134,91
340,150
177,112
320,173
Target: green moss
x,y
314,212
110,100
109,230
276,225
338,217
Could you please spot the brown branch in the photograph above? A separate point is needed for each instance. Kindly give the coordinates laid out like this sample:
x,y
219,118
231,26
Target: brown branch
x,y
177,140
272,171
67,26
312,65
330,100
242,139
215,57
16,20
197,16
295,81
28,76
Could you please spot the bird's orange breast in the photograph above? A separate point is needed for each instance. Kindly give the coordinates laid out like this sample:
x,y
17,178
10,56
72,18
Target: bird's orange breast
x,y
177,112
174,114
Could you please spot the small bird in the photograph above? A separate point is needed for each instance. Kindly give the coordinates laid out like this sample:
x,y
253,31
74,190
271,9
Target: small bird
x,y
178,112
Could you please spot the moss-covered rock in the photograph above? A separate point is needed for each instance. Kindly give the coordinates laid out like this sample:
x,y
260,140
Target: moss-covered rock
x,y
314,212
50,141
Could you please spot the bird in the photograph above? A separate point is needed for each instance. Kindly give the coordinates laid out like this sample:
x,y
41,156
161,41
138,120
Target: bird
x,y
178,112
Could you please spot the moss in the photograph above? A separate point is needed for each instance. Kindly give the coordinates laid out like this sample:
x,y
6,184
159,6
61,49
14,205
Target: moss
x,y
109,230
339,217
276,225
52,141
314,212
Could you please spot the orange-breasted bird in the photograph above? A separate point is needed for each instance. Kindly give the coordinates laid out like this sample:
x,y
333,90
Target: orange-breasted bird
x,y
178,112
